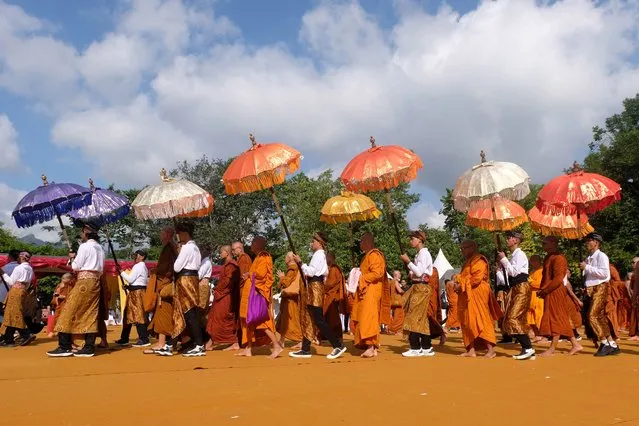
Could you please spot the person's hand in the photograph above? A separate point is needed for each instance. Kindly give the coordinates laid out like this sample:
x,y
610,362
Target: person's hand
x,y
71,255
580,303
541,294
582,265
297,259
280,274
246,275
501,255
405,258
456,287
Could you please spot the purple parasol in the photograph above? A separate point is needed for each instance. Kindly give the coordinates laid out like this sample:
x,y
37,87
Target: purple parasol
x,y
106,207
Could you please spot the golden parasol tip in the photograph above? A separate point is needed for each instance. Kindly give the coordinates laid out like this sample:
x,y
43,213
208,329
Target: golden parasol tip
x,y
372,139
575,167
45,182
252,139
165,176
482,154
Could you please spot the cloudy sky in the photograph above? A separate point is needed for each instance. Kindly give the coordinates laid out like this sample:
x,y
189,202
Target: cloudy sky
x,y
117,89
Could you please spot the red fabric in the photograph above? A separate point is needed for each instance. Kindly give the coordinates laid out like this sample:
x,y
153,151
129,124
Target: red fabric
x,y
54,265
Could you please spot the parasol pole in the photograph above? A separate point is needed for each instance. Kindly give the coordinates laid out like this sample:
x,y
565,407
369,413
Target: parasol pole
x,y
581,254
394,220
352,238
64,232
115,258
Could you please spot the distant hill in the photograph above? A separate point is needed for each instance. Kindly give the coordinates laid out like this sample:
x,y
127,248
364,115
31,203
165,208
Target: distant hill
x,y
33,240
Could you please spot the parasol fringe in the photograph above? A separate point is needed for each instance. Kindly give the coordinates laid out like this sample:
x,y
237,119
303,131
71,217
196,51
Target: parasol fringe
x,y
385,182
264,180
347,218
172,208
571,209
570,234
518,192
30,218
499,225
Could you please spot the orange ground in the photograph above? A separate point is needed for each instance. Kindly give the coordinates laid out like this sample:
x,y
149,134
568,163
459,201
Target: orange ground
x,y
125,387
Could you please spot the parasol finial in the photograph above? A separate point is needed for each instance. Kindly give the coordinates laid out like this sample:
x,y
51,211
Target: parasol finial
x,y
575,167
252,139
91,185
164,175
45,182
482,154
373,145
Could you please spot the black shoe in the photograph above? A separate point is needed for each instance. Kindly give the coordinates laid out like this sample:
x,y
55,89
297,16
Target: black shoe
x,y
59,352
604,350
28,340
615,350
84,353
121,342
5,344
300,354
141,344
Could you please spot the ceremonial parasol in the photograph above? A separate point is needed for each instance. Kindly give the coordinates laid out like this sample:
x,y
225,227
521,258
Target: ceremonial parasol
x,y
49,201
171,198
106,207
381,168
262,167
559,225
487,179
507,214
348,208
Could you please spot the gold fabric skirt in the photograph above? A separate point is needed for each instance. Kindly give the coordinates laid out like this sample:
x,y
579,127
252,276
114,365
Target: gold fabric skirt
x,y
14,309
309,331
315,295
80,313
416,309
135,307
597,313
186,298
518,303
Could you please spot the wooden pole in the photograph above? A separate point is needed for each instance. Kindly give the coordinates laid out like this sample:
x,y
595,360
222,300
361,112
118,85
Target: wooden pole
x,y
394,220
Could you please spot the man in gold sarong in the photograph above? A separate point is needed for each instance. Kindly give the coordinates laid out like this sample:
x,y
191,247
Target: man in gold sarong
x,y
15,303
367,304
81,312
135,285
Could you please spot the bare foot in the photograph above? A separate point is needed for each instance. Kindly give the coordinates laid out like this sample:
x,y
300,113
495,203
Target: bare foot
x,y
369,353
490,355
575,349
297,347
49,335
208,346
276,352
442,340
634,338
547,354
233,347
245,352
156,346
468,355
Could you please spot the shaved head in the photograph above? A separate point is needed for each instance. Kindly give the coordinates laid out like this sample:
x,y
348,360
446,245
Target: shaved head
x,y
535,261
258,245
367,242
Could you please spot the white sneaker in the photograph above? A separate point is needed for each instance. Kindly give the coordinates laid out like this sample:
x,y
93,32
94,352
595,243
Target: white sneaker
x,y
412,353
196,351
336,353
427,352
166,350
525,354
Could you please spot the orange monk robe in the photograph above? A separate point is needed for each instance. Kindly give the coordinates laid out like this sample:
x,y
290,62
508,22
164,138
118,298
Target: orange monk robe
x,y
222,322
633,328
477,308
536,311
262,270
333,298
397,314
288,321
385,313
556,318
368,299
623,307
452,319
435,306
574,311
614,296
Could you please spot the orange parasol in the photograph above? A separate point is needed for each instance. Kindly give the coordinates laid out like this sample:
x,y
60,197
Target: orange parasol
x,y
381,168
507,215
262,167
560,225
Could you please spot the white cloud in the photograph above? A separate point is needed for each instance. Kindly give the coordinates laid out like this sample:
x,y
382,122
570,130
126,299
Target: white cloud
x,y
523,80
8,144
9,198
425,213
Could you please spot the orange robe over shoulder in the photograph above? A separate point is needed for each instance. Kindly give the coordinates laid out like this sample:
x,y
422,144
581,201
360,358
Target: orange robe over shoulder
x,y
452,320
614,296
536,311
333,299
262,270
397,313
435,306
556,318
385,313
288,321
368,299
477,308
222,322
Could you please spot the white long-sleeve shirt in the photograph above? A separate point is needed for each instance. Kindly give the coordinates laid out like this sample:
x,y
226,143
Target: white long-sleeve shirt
x,y
189,258
8,270
23,273
518,263
138,277
90,257
597,269
318,266
423,264
206,269
501,281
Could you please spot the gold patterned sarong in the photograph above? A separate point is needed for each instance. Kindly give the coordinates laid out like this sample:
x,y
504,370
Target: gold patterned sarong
x,y
80,314
14,309
135,307
516,316
186,297
315,294
597,313
416,309
309,331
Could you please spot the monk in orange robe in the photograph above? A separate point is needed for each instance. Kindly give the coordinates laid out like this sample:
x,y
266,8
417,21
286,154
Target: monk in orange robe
x,y
222,323
333,296
633,330
397,305
624,305
385,312
574,307
368,298
260,274
435,309
288,323
244,261
477,305
614,296
555,321
536,310
452,318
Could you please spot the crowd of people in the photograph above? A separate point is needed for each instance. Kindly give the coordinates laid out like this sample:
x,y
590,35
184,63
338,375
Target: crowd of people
x,y
533,301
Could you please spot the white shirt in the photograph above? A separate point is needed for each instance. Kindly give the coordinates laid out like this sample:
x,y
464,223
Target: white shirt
x,y
206,269
8,269
423,264
518,263
597,269
189,258
23,273
318,266
353,280
90,257
501,282
139,275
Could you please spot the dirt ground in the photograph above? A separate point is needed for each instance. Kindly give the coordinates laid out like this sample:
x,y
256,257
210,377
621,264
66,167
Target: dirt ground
x,y
124,386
